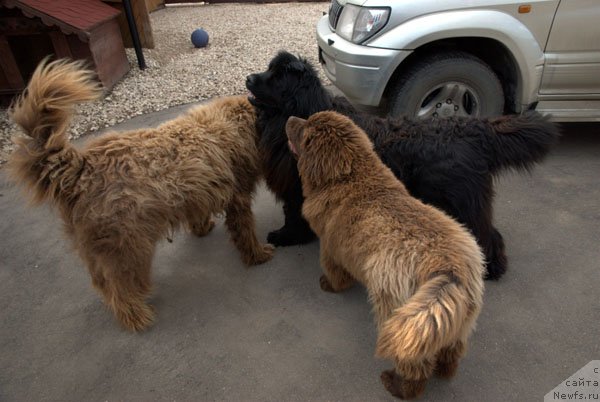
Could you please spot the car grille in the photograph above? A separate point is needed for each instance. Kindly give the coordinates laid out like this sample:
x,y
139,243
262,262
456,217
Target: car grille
x,y
334,13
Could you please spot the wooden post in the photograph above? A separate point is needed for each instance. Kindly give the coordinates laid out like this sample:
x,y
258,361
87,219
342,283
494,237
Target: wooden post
x,y
61,46
9,65
142,21
152,5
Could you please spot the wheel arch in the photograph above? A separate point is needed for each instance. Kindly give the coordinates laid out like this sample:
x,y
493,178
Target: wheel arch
x,y
510,42
490,51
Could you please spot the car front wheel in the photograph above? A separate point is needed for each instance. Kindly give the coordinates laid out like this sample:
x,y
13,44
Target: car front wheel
x,y
447,84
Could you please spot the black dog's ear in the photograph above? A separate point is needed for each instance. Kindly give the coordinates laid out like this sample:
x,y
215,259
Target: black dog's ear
x,y
297,66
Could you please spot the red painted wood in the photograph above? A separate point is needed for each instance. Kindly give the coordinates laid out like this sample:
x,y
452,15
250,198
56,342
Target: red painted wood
x,y
80,14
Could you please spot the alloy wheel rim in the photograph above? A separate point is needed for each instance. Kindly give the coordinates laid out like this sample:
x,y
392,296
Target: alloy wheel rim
x,y
449,99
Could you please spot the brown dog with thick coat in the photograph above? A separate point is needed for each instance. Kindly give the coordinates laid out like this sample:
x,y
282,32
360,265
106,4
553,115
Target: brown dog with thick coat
x,y
125,191
423,270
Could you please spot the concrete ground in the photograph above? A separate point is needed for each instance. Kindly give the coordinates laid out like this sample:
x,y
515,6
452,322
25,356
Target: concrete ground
x,y
268,333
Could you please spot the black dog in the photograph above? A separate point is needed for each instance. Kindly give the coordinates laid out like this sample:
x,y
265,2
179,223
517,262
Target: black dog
x,y
448,163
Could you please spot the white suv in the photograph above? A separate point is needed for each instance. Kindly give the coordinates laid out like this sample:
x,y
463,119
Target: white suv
x,y
430,58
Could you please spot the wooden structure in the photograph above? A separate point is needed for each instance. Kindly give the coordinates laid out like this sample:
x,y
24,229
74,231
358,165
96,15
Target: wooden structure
x,y
141,13
79,29
153,5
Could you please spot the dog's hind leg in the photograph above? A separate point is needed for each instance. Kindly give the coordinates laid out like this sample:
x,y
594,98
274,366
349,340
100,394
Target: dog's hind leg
x,y
495,255
492,245
448,358
335,278
383,304
476,213
488,237
409,379
240,222
123,278
95,270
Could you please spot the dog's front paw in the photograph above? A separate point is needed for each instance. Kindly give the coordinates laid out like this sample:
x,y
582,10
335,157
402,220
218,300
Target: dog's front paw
x,y
289,237
325,284
202,230
263,254
136,316
401,388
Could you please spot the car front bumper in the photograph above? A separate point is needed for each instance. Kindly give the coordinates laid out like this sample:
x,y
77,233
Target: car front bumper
x,y
360,72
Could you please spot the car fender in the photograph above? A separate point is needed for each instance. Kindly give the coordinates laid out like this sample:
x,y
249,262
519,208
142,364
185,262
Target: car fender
x,y
492,24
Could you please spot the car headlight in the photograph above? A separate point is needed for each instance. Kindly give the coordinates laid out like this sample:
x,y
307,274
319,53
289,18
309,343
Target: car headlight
x,y
358,24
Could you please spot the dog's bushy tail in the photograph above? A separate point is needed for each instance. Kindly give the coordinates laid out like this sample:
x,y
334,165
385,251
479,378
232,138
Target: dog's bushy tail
x,y
432,318
519,141
44,161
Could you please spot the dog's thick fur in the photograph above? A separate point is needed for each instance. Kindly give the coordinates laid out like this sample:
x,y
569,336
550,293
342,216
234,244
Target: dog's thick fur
x,y
125,191
448,163
423,270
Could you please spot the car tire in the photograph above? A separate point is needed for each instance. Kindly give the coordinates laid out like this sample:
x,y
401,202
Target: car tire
x,y
447,84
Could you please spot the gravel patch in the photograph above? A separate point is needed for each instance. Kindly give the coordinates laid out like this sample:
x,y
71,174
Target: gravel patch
x,y
243,38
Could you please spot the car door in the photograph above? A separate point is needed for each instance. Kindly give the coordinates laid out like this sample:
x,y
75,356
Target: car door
x,y
572,67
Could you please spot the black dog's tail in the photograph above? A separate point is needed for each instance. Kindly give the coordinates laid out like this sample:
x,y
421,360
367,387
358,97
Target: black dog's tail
x,y
519,141
44,160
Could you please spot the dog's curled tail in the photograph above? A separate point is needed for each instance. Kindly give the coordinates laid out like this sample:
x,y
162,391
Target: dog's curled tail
x,y
434,317
44,160
520,141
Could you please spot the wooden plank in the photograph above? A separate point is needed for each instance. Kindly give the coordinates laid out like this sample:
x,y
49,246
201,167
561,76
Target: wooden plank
x,y
61,46
17,25
9,66
142,20
108,53
153,5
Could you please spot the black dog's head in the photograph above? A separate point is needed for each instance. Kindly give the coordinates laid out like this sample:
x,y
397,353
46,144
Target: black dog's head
x,y
288,79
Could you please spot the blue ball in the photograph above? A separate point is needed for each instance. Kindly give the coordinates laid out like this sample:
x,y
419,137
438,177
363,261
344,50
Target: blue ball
x,y
200,37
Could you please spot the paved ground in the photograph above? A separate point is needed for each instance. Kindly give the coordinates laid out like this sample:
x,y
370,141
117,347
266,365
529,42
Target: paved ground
x,y
225,332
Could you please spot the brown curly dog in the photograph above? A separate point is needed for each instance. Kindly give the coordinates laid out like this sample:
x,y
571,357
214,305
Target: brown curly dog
x,y
423,270
125,191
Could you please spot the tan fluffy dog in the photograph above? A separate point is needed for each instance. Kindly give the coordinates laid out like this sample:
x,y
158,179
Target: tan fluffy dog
x,y
125,191
423,271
